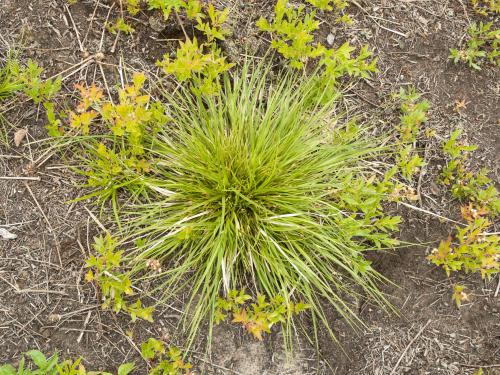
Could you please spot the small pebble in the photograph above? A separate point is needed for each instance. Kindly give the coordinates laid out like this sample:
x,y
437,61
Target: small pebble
x,y
330,39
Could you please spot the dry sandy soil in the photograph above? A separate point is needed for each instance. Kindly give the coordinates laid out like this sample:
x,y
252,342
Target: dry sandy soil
x,y
44,303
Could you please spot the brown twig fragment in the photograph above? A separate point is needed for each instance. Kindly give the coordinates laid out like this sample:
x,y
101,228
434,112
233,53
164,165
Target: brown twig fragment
x,y
408,347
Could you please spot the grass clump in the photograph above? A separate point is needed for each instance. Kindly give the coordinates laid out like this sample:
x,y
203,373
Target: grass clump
x,y
261,187
253,188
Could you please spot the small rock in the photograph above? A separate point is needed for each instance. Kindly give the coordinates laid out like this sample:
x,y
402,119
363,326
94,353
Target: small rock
x,y
6,235
157,23
330,39
19,136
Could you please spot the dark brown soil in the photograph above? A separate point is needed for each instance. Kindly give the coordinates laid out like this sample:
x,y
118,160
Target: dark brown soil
x,y
43,302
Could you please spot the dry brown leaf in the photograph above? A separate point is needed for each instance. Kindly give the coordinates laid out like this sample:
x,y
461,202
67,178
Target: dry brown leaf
x,y
19,136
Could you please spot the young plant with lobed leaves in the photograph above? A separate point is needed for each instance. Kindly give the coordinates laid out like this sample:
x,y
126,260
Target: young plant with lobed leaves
x,y
115,286
476,248
120,157
476,251
10,82
466,185
199,64
15,77
257,317
483,42
164,361
292,32
414,114
41,365
486,7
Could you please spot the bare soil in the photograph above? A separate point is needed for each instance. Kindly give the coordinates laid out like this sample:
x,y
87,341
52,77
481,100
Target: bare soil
x,y
43,302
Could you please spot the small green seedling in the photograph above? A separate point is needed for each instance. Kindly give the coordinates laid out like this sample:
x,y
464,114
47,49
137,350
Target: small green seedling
x,y
293,33
199,63
166,6
414,115
105,271
257,317
340,62
120,26
328,4
409,163
35,87
466,185
51,366
483,43
165,360
459,295
486,7
214,28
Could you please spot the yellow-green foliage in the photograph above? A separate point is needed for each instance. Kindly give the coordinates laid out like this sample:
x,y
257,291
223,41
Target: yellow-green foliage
x,y
328,4
114,167
414,114
257,317
292,32
466,185
35,87
214,28
120,25
14,78
200,64
10,82
106,271
166,6
40,365
482,43
476,250
486,7
167,361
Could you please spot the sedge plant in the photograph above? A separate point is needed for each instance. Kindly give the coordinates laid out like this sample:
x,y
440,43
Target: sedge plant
x,y
253,188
